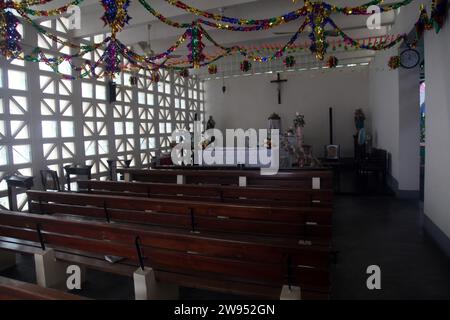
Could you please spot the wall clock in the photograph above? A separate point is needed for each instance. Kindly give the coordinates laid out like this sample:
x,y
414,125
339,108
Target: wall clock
x,y
409,58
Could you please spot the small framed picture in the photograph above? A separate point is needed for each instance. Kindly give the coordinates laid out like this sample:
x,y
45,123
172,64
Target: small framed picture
x,y
332,152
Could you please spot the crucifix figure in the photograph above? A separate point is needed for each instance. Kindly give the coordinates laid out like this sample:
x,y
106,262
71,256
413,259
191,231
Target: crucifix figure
x,y
279,81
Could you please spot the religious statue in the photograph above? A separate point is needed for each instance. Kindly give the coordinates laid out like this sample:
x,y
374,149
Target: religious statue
x,y
360,117
274,122
211,123
299,123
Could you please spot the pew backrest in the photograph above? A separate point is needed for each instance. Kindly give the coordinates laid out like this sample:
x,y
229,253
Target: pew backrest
x,y
226,194
242,259
306,179
309,224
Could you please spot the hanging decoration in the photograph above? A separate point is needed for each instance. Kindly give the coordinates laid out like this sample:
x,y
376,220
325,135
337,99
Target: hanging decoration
x,y
196,46
116,14
9,36
184,73
439,14
332,62
155,77
246,66
117,57
394,62
289,61
212,69
424,23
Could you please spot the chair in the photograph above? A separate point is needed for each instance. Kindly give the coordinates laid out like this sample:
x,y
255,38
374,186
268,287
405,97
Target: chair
x,y
78,170
50,180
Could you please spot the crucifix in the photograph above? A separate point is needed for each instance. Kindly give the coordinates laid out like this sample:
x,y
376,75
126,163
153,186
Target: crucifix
x,y
279,81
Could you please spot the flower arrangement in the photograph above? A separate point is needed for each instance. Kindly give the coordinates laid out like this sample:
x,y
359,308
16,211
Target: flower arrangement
x,y
299,120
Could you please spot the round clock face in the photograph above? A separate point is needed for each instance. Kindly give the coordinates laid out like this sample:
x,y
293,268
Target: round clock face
x,y
409,58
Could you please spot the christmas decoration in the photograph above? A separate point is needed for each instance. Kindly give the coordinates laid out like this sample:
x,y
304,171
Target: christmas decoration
x,y
332,62
246,66
184,73
117,57
212,69
9,36
394,62
155,77
289,61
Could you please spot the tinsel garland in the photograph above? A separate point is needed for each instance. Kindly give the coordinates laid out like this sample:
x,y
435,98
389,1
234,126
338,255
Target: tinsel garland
x,y
196,46
10,37
316,13
116,14
439,14
424,23
111,59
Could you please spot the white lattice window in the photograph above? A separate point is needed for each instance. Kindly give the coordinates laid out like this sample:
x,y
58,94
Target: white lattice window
x,y
15,119
146,115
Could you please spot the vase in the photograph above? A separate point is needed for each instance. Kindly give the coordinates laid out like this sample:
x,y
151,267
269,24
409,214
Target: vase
x,y
299,135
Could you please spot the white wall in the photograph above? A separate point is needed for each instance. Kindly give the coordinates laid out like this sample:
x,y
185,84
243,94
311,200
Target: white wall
x,y
384,110
394,115
437,171
249,101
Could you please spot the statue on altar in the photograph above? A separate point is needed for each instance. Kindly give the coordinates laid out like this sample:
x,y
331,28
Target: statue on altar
x,y
300,152
360,118
211,124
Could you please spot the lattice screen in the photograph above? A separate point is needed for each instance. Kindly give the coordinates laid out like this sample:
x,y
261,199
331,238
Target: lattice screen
x,y
48,122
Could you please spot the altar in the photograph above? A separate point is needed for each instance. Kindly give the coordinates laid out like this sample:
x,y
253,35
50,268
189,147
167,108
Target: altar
x,y
259,157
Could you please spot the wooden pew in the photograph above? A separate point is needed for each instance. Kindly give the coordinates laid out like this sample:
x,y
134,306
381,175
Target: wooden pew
x,y
253,266
226,194
301,178
311,224
17,290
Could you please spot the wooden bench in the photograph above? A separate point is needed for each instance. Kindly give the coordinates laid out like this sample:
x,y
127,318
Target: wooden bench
x,y
226,194
17,290
301,178
310,224
259,267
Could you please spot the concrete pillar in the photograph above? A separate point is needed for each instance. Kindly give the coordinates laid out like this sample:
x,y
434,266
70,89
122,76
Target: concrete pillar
x,y
293,293
49,272
181,179
316,183
147,288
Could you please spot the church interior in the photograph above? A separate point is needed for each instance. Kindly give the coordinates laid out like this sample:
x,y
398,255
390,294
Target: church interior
x,y
224,150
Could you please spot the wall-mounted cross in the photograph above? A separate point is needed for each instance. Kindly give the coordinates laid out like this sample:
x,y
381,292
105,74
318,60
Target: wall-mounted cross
x,y
279,81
